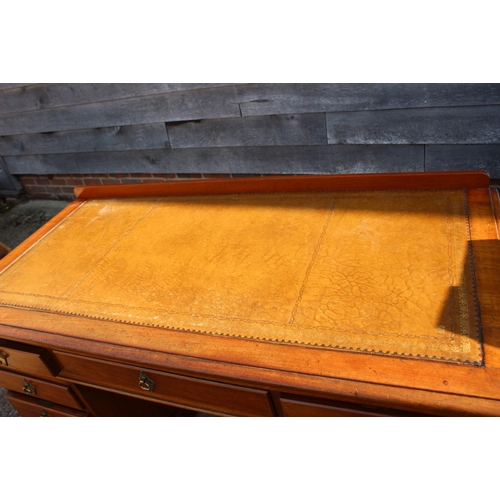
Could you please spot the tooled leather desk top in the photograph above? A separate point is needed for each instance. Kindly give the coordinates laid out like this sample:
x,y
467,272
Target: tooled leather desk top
x,y
383,272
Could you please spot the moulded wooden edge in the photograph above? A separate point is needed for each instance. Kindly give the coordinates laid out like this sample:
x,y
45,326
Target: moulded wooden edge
x,y
245,400
200,353
143,397
4,250
495,196
311,385
44,389
304,406
342,182
31,240
492,348
39,360
29,406
484,207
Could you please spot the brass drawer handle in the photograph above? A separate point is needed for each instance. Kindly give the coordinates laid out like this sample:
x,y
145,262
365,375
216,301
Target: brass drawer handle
x,y
146,383
28,388
45,414
3,360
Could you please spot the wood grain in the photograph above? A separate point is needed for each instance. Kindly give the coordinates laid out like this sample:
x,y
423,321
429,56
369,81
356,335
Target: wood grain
x,y
486,247
28,407
48,391
27,358
276,130
218,102
258,99
463,157
16,100
245,370
346,182
294,406
457,125
7,86
267,99
495,196
197,393
222,356
129,137
53,95
242,160
4,250
110,404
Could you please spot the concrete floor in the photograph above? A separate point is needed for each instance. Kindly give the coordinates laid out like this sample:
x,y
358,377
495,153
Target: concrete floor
x,y
20,221
16,224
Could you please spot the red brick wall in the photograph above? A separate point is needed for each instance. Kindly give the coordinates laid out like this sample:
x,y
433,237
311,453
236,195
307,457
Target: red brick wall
x,y
60,187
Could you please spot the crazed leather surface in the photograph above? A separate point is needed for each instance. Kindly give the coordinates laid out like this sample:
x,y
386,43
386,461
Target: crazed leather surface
x,y
383,272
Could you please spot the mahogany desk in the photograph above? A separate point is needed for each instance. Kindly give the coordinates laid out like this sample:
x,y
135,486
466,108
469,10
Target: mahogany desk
x,y
278,296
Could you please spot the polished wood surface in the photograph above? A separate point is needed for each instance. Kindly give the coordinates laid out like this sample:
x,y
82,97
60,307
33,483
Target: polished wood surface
x,y
486,248
405,384
495,194
293,406
4,250
187,392
347,182
28,407
16,356
109,354
38,388
111,404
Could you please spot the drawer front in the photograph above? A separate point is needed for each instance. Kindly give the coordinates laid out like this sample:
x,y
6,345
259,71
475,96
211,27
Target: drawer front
x,y
176,389
28,359
29,407
41,389
297,406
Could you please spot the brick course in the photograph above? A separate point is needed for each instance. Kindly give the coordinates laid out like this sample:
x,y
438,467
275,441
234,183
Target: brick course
x,y
60,187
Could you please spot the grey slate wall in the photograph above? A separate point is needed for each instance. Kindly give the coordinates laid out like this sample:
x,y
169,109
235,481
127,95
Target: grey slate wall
x,y
248,128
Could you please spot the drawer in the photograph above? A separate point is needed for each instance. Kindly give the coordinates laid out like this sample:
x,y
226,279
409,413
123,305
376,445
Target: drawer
x,y
185,391
41,389
298,406
28,359
30,407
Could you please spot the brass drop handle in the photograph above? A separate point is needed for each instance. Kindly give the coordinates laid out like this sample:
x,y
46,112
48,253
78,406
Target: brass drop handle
x,y
3,360
28,388
146,383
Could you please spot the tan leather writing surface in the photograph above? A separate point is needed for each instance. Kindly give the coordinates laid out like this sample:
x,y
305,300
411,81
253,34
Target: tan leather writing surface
x,y
386,272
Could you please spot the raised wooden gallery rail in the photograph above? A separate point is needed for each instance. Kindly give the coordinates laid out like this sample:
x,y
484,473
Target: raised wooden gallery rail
x,y
353,182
